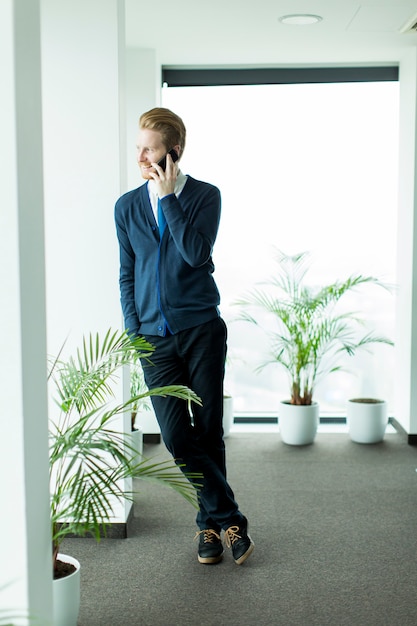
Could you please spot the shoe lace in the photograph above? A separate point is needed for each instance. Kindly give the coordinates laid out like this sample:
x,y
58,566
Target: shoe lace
x,y
231,535
209,535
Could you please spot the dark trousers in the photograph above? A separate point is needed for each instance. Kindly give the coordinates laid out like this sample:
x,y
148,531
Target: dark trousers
x,y
196,358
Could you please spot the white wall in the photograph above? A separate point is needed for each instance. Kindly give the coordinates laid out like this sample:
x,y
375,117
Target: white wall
x,y
406,335
82,165
25,540
142,93
85,170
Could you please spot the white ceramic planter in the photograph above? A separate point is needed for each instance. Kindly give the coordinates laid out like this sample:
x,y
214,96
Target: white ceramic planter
x,y
367,419
66,595
137,442
298,424
228,415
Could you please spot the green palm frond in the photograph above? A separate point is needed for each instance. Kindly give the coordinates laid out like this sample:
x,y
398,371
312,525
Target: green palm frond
x,y
89,377
89,459
310,335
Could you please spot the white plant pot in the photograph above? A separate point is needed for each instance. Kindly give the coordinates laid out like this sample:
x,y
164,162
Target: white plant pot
x,y
228,415
298,424
367,419
137,443
66,595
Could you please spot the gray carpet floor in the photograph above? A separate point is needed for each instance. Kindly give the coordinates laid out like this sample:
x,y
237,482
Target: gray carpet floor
x,y
334,526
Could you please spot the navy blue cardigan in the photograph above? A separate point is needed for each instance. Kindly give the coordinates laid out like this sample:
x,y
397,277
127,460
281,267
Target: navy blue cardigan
x,y
168,282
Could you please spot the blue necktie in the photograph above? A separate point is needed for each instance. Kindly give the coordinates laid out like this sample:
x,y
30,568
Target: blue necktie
x,y
161,219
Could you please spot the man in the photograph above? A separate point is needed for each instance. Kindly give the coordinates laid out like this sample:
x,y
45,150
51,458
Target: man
x,y
166,230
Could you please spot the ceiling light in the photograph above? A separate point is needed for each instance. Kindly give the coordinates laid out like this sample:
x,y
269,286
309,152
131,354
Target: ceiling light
x,y
300,19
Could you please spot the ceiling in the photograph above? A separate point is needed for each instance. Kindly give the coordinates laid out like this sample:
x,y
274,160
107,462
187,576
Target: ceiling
x,y
193,33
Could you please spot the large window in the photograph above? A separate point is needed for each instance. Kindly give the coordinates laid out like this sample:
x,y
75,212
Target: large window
x,y
300,167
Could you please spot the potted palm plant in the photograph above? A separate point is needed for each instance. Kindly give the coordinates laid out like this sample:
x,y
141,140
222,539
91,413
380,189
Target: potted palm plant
x,y
228,406
89,459
311,336
137,390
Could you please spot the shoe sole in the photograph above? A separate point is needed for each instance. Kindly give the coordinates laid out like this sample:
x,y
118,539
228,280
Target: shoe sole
x,y
210,560
244,556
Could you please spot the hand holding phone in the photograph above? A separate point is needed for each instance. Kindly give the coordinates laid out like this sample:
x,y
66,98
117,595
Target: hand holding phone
x,y
163,162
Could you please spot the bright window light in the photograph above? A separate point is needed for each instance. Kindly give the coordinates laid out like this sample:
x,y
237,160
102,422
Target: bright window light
x,y
300,167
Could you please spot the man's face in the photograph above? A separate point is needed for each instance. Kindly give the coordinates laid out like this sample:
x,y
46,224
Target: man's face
x,y
149,149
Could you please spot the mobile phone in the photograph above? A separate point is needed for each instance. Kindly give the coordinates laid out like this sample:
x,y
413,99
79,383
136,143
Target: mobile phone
x,y
163,162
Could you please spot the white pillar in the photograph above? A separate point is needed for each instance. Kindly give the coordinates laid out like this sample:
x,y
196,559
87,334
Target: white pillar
x,y
25,536
406,314
143,92
85,168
